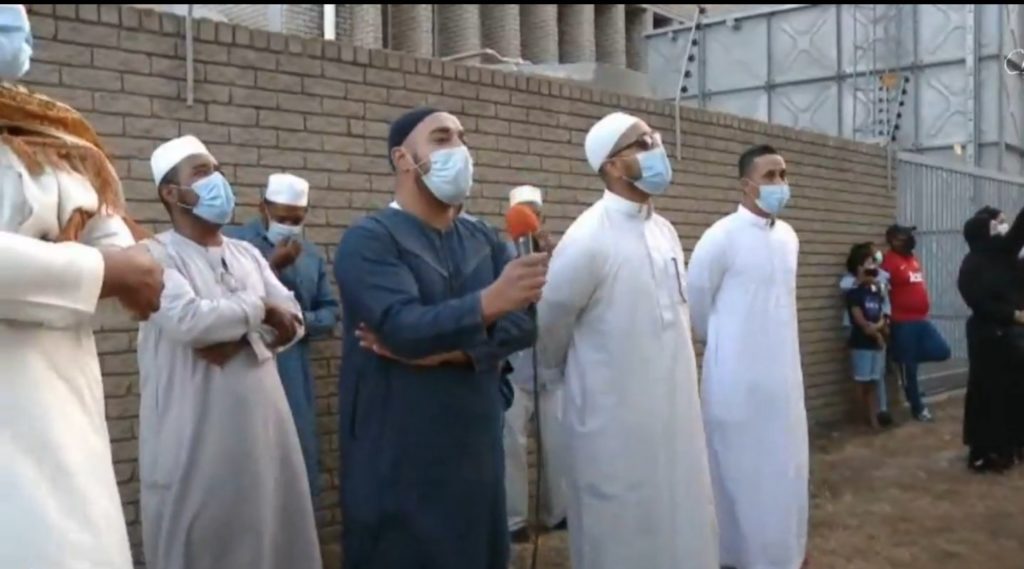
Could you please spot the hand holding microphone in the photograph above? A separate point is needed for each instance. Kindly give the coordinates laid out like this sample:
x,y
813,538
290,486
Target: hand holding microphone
x,y
523,279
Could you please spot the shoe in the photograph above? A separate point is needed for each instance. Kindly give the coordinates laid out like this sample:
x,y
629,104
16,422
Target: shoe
x,y
885,419
561,526
989,464
924,417
521,535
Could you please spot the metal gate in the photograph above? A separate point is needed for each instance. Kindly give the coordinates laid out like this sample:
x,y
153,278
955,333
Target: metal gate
x,y
938,197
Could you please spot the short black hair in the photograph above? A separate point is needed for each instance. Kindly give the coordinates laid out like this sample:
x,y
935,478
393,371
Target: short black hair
x,y
858,254
170,178
751,154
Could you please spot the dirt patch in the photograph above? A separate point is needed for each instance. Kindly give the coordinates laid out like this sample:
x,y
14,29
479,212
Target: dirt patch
x,y
901,499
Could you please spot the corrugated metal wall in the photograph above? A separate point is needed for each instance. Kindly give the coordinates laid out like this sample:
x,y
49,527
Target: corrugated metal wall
x,y
797,66
938,198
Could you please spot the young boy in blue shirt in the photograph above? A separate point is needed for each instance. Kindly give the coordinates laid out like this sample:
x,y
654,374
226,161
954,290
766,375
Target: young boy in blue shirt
x,y
865,306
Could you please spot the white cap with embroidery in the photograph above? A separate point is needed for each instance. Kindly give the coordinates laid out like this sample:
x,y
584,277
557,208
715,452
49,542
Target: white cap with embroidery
x,y
168,155
526,194
602,137
287,189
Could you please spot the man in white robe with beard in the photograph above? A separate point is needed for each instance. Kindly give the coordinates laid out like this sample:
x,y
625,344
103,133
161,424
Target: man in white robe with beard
x,y
67,248
614,320
224,485
743,305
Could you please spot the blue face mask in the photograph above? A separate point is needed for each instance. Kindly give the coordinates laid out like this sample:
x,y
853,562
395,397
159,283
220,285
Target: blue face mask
x,y
15,41
216,199
773,198
278,232
655,171
451,174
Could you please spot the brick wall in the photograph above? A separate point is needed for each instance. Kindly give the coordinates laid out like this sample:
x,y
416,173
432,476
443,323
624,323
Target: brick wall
x,y
266,102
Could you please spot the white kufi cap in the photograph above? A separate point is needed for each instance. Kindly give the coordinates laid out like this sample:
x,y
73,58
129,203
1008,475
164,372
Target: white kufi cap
x,y
168,155
602,137
287,189
525,194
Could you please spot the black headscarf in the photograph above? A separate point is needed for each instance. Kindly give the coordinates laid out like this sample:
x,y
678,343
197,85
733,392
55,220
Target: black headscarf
x,y
989,212
978,234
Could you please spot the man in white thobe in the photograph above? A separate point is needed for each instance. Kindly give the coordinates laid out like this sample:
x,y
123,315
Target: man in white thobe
x,y
743,305
224,485
59,504
614,319
548,405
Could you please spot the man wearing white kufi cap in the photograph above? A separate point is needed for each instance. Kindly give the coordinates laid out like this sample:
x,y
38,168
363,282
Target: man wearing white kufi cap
x,y
277,233
217,444
517,419
614,322
66,245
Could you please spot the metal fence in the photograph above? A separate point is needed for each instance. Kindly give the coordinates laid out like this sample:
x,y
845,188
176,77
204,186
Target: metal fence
x,y
938,198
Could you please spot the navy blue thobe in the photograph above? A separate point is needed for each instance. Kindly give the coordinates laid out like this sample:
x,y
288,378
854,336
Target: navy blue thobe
x,y
422,461
307,278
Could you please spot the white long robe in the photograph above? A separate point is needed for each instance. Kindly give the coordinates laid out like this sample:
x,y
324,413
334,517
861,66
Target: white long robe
x,y
518,424
59,504
223,481
613,318
743,304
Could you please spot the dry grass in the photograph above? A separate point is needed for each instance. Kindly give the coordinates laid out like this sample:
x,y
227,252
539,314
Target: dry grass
x,y
902,499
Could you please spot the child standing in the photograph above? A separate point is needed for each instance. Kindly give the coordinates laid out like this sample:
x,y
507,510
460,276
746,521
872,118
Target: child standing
x,y
864,305
848,282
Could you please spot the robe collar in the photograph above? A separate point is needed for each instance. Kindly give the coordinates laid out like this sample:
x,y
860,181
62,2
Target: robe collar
x,y
214,255
754,219
631,209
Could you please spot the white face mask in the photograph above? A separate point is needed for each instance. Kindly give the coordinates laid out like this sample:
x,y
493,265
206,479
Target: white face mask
x,y
1001,228
278,232
451,174
15,41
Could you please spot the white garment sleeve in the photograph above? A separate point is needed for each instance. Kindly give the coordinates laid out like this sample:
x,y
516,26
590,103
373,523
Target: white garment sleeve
x,y
52,284
201,322
708,265
573,277
107,231
280,295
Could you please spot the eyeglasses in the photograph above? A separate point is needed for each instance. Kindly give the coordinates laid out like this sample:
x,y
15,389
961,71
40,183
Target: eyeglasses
x,y
643,143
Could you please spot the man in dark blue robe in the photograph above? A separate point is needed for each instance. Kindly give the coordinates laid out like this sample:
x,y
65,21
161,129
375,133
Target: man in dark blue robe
x,y
433,304
300,266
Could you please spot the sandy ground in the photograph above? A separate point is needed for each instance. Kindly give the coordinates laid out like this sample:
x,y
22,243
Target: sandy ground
x,y
901,499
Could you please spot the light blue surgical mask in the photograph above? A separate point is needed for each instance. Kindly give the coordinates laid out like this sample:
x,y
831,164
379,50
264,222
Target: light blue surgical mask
x,y
216,199
451,174
278,232
773,198
15,41
655,171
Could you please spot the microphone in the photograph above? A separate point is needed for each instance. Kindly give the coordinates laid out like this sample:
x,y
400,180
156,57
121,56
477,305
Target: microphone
x,y
521,224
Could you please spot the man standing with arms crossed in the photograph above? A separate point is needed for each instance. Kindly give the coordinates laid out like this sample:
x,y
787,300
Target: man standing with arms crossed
x,y
433,306
223,481
65,245
743,302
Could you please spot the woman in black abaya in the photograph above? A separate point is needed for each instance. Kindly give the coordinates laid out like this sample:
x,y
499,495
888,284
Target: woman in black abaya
x,y
991,286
